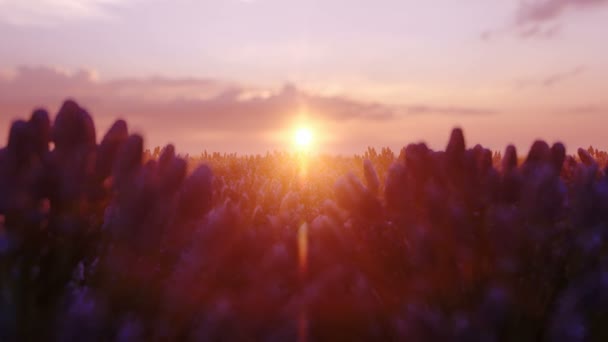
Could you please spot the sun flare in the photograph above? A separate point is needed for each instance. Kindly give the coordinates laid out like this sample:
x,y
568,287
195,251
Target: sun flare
x,y
303,138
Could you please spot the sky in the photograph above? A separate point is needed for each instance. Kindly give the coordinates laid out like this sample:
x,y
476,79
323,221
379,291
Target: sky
x,y
242,75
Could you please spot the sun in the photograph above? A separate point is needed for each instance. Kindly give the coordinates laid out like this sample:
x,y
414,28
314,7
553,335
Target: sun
x,y
303,138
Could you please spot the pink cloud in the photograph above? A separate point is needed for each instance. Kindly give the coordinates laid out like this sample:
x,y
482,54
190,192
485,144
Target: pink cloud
x,y
536,19
449,110
552,79
539,32
546,10
215,103
196,108
167,107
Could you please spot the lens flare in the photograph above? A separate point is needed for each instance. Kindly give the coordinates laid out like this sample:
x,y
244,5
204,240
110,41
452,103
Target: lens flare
x,y
303,248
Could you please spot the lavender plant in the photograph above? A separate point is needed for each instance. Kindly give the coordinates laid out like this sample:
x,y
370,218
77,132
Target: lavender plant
x,y
107,241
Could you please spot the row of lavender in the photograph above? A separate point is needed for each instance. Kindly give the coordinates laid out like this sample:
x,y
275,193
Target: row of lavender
x,y
107,242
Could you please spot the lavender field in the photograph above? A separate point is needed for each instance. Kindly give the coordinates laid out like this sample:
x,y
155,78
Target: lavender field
x,y
101,240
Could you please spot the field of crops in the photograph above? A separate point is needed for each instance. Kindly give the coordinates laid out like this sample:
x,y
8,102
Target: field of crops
x,y
108,242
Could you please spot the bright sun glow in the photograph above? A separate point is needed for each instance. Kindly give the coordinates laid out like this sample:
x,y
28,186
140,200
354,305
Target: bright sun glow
x,y
303,138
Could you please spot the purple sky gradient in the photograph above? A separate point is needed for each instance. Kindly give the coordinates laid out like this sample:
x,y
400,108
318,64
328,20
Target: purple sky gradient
x,y
235,75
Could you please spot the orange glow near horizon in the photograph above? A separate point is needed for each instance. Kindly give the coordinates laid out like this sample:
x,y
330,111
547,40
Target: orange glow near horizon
x,y
303,141
303,138
304,131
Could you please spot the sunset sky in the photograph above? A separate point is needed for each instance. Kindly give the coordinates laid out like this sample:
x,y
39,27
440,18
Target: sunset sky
x,y
243,75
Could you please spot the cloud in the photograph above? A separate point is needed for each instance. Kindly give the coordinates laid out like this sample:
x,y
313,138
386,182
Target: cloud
x,y
551,80
539,32
546,10
160,101
196,111
589,109
455,111
51,12
536,19
533,31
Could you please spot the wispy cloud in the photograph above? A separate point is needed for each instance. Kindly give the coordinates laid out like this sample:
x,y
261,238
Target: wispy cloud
x,y
52,12
455,111
529,32
552,79
589,109
539,32
538,19
530,12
